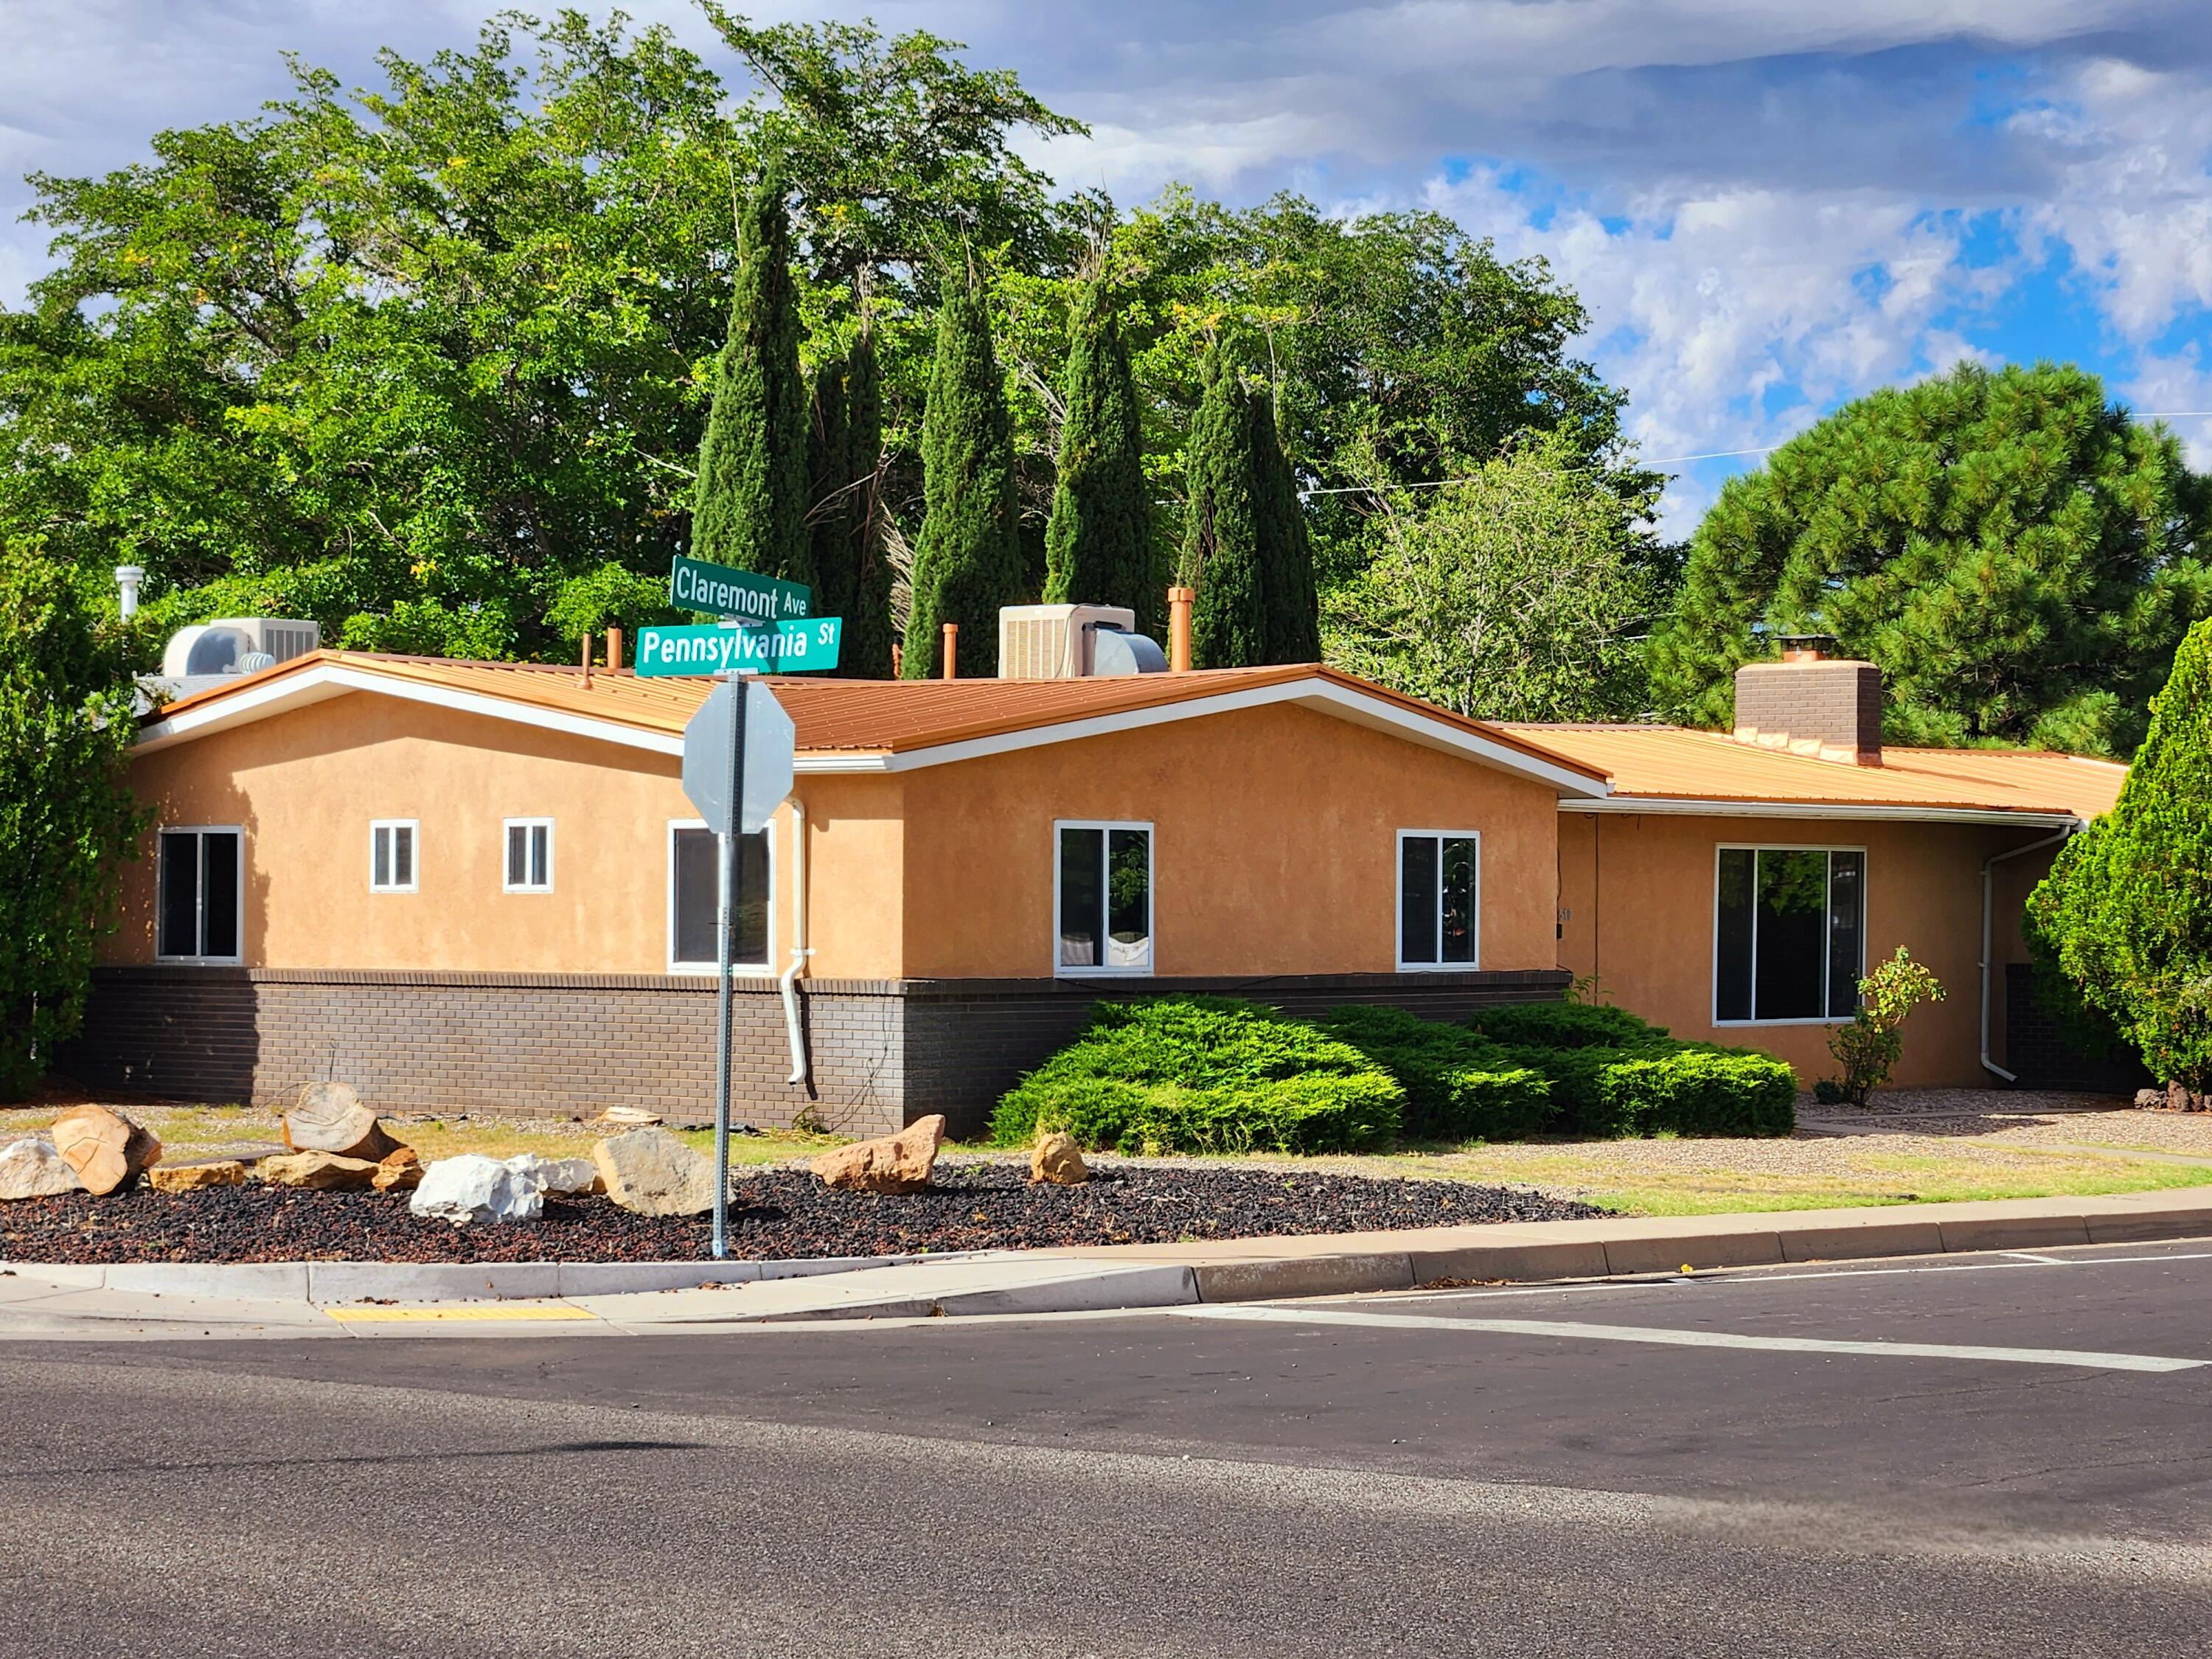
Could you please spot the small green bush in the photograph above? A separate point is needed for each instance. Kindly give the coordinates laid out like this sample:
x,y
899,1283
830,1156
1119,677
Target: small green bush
x,y
1564,1025
1458,1086
1203,1074
1679,1088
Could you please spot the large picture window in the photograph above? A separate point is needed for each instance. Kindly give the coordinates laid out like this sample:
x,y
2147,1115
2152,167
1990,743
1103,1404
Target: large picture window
x,y
1102,898
694,892
199,911
1789,933
1439,898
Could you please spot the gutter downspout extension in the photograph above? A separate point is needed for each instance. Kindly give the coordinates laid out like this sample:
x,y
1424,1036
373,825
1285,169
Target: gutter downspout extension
x,y
1988,865
787,981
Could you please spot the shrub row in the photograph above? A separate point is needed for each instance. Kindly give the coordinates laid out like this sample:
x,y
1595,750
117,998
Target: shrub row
x,y
1212,1074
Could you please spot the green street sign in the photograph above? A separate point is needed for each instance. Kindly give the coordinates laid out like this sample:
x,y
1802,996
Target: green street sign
x,y
803,646
721,589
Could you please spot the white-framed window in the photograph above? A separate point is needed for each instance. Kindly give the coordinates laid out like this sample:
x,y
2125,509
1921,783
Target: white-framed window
x,y
1788,934
392,844
694,893
529,857
1102,898
1439,899
199,907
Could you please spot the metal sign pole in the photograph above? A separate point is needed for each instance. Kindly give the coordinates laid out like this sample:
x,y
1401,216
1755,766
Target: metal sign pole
x,y
733,867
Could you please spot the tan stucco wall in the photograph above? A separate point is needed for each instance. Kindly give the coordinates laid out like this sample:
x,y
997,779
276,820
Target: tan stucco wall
x,y
1639,889
306,786
1275,846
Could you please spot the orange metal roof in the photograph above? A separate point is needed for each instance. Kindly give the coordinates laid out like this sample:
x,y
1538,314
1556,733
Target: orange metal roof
x,y
857,716
1674,762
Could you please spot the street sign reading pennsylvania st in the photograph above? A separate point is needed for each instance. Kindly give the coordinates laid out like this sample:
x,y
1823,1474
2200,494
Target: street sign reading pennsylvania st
x,y
785,647
721,589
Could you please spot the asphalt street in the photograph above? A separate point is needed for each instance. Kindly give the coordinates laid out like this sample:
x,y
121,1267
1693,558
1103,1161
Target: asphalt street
x,y
1992,1455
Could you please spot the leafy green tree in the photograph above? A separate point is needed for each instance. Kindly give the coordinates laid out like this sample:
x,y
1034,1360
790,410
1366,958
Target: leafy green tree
x,y
66,816
1098,545
2126,914
750,507
1286,566
1515,595
1221,540
2017,555
866,653
1868,1046
828,456
968,561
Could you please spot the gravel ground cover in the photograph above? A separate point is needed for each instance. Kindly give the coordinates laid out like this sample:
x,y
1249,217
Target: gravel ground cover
x,y
775,1214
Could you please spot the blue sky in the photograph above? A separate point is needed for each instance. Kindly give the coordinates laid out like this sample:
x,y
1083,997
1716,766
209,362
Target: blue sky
x,y
1770,206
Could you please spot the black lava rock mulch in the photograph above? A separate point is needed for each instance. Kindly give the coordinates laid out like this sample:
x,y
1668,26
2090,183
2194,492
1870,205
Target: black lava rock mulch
x,y
775,1214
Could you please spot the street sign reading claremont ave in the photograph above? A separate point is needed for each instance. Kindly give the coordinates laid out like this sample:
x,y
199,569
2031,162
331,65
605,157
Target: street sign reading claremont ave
x,y
786,647
721,589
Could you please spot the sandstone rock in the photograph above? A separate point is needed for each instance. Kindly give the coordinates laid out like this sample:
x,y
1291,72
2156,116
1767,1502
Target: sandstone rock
x,y
475,1189
329,1117
399,1171
32,1168
2150,1100
321,1172
191,1177
105,1148
1058,1159
889,1164
654,1173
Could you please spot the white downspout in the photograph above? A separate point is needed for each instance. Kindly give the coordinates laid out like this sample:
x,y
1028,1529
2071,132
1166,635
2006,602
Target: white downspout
x,y
788,981
1988,865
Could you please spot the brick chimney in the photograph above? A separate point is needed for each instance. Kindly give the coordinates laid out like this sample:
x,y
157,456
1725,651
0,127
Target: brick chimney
x,y
1811,704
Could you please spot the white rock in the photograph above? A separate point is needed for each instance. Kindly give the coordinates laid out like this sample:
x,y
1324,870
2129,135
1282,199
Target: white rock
x,y
472,1187
32,1167
557,1175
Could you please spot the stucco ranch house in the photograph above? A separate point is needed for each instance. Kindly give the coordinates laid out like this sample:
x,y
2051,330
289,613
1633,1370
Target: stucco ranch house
x,y
480,886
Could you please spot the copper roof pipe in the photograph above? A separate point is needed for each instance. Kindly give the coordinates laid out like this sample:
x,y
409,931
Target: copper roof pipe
x,y
952,651
1180,600
614,649
586,664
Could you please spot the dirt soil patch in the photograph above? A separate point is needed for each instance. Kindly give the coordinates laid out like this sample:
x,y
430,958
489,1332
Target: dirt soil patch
x,y
775,1214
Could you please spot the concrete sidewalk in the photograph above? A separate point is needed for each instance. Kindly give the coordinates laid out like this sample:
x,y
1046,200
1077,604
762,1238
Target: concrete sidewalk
x,y
364,1298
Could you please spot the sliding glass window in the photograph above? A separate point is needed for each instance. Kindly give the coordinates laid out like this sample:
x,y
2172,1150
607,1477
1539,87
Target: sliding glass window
x,y
1789,925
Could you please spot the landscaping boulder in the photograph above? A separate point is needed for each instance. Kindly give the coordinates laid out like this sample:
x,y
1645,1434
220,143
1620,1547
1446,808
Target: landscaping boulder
x,y
562,1175
1056,1158
652,1172
2180,1098
889,1164
192,1177
105,1148
399,1171
32,1168
475,1189
329,1117
2150,1100
320,1172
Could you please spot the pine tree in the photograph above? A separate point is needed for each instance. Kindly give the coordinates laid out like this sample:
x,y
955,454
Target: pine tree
x,y
1221,546
828,458
1286,570
967,562
750,507
2126,911
2017,555
867,644
1098,544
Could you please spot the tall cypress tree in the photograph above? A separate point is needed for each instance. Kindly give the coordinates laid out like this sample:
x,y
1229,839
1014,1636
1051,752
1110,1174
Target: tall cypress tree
x,y
1221,545
750,507
968,562
1286,572
867,646
1098,544
827,458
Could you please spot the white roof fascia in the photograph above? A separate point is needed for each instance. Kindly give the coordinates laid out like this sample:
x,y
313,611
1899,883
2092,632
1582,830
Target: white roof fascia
x,y
1345,702
335,679
1863,812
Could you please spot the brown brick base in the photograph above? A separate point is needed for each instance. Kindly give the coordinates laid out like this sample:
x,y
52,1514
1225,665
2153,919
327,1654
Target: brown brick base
x,y
562,1045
